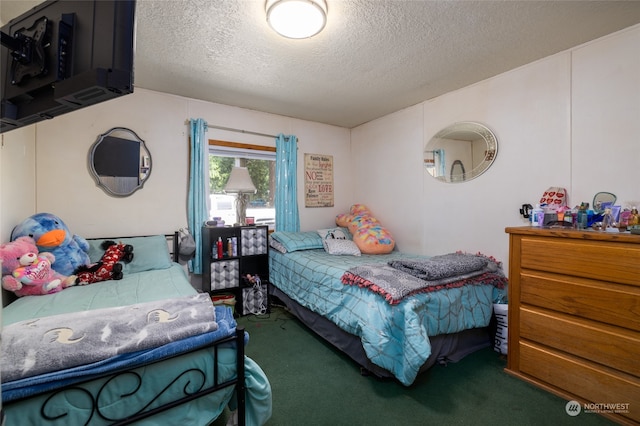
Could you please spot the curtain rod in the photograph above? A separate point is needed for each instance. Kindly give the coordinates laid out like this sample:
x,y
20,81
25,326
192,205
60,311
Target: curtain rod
x,y
247,132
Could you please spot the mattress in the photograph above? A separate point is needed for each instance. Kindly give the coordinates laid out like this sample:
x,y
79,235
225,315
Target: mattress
x,y
394,337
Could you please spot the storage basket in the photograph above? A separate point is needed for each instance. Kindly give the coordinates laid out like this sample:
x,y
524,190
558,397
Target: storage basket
x,y
253,241
225,274
254,299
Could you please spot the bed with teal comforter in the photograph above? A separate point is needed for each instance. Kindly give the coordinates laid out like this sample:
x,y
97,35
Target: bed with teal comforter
x,y
395,337
108,388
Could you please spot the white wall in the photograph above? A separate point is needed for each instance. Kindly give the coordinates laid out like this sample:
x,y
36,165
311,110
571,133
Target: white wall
x,y
553,119
387,173
606,118
17,178
44,166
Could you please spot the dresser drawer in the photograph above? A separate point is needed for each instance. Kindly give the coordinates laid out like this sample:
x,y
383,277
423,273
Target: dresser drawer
x,y
586,380
610,346
609,303
600,260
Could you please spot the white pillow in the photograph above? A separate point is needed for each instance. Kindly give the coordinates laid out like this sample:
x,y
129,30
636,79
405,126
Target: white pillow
x,y
337,233
340,247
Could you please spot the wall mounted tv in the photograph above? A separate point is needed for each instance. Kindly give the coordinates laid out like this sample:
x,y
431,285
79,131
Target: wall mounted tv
x,y
64,55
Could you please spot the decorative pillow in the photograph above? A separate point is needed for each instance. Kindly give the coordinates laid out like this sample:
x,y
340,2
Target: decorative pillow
x,y
339,233
368,233
277,245
338,247
294,241
148,253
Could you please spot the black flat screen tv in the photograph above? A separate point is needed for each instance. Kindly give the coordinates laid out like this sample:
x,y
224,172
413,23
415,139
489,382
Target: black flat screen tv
x,y
64,55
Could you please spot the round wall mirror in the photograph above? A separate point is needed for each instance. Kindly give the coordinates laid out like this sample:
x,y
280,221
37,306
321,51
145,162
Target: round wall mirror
x,y
460,152
120,162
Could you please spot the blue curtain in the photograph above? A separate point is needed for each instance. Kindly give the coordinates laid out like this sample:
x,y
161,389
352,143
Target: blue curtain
x,y
287,217
441,164
197,204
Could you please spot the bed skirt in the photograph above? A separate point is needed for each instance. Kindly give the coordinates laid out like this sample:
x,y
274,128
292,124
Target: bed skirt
x,y
444,348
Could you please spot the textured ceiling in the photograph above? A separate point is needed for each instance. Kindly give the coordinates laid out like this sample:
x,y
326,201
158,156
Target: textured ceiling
x,y
374,57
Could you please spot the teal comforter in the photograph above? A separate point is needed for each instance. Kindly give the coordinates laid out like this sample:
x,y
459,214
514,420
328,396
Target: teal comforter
x,y
394,337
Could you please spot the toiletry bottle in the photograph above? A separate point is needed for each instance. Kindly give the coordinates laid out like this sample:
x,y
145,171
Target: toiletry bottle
x,y
219,247
568,217
229,247
583,218
537,216
234,243
607,219
634,217
624,219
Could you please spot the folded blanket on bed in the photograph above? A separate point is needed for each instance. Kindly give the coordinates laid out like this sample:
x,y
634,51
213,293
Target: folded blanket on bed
x,y
394,284
58,342
442,267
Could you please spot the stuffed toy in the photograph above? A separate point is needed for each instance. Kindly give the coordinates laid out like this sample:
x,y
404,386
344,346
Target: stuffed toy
x,y
52,235
109,266
27,272
368,234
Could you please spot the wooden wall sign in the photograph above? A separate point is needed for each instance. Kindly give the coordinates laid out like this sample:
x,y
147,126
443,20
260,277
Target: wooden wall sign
x,y
318,180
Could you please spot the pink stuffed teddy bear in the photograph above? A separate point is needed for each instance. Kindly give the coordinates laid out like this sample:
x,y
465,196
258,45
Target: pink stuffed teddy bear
x,y
27,273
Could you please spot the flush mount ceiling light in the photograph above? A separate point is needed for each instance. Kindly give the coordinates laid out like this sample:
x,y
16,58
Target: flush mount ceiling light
x,y
297,18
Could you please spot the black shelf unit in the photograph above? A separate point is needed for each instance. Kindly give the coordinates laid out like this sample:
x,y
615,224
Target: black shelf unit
x,y
226,274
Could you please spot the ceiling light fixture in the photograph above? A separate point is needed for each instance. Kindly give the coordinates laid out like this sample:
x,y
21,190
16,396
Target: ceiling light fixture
x,y
297,18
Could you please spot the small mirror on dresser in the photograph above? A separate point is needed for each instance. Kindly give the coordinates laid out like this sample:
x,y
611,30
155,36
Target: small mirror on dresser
x,y
120,162
602,201
460,152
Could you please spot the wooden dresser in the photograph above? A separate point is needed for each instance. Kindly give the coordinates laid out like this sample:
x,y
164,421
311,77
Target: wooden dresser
x,y
574,316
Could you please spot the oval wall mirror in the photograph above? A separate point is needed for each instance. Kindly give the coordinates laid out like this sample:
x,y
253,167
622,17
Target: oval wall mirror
x,y
460,152
120,162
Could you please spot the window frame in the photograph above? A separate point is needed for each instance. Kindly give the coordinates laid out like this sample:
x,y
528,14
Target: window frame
x,y
244,150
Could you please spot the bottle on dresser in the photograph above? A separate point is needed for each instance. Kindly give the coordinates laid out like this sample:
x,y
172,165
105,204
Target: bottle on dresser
x,y
634,217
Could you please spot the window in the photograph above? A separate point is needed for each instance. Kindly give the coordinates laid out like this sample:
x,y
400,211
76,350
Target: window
x,y
260,161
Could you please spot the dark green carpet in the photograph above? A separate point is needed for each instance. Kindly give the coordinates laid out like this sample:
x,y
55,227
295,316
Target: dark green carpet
x,y
314,384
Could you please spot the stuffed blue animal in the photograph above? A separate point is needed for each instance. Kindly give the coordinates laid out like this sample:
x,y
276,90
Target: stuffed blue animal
x,y
52,235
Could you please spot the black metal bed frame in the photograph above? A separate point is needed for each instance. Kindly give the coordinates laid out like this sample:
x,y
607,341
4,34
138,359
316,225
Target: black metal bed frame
x,y
190,394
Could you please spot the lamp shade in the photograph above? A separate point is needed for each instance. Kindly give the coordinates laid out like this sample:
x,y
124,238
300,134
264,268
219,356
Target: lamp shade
x,y
297,18
240,181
